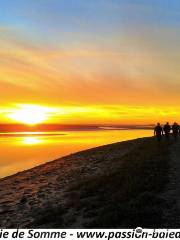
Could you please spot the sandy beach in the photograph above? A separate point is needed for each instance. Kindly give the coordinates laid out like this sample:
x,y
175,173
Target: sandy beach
x,y
117,185
89,114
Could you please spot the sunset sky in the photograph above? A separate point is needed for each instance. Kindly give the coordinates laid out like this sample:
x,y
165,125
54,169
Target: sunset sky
x,y
98,61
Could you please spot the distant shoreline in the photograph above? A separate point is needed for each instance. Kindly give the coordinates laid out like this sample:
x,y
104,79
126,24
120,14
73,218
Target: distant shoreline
x,y
57,127
25,134
62,132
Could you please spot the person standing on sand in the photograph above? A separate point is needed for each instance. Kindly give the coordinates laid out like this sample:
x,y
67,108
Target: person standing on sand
x,y
158,131
167,130
176,130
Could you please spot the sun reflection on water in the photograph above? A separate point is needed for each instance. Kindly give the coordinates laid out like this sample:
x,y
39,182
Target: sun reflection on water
x,y
31,140
26,150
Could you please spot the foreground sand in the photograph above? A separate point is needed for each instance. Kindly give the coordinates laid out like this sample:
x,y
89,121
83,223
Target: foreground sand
x,y
22,195
48,193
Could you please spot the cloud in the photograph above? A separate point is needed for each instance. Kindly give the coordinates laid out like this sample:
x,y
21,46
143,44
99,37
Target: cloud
x,y
140,67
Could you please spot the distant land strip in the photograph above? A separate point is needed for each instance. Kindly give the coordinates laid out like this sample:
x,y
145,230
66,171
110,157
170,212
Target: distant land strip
x,y
9,128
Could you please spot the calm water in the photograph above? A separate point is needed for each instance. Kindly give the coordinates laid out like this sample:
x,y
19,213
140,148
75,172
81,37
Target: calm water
x,y
20,152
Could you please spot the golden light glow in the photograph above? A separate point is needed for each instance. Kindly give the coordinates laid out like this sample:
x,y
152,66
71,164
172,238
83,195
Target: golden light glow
x,y
31,140
29,114
91,114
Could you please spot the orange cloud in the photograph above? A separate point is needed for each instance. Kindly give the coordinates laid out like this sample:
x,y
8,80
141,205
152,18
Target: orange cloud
x,y
93,78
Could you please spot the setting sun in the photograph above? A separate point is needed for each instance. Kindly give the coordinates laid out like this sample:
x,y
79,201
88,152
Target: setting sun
x,y
29,114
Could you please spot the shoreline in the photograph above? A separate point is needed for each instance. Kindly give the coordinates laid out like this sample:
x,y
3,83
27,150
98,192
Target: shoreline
x,y
72,154
20,153
58,193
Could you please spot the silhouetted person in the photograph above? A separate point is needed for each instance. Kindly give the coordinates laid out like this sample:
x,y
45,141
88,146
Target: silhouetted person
x,y
158,131
167,130
175,129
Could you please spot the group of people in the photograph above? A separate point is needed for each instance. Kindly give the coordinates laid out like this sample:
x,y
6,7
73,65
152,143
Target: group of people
x,y
166,130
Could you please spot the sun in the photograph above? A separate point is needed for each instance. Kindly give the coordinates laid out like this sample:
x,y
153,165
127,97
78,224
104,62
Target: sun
x,y
29,114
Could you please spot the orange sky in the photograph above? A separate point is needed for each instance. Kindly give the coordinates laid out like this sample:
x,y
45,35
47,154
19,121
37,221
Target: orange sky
x,y
124,68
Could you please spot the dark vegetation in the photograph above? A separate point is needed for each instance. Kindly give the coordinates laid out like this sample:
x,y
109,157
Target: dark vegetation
x,y
124,194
